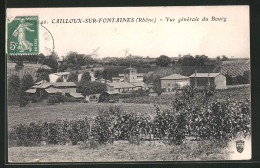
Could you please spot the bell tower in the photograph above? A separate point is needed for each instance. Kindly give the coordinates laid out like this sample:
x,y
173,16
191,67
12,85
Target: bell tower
x,y
131,75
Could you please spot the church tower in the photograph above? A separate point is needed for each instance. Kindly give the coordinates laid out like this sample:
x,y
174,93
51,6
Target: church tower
x,y
131,75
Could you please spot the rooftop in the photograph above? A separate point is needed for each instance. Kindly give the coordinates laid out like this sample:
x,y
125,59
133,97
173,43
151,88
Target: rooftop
x,y
76,95
112,92
58,84
52,90
139,84
174,77
119,85
205,75
60,73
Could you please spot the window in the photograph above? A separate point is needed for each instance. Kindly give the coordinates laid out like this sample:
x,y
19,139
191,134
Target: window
x,y
169,84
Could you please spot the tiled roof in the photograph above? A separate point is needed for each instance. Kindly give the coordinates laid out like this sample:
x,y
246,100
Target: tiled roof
x,y
43,85
205,75
76,95
60,73
52,90
58,84
112,92
138,84
68,90
175,77
119,85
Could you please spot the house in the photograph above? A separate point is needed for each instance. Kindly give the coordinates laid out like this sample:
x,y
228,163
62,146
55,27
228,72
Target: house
x,y
173,82
202,80
120,87
129,81
63,75
45,89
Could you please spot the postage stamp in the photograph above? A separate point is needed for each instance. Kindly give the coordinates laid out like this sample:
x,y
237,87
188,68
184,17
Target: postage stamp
x,y
23,35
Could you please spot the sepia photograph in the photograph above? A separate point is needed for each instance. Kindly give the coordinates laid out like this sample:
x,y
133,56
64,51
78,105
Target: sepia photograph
x,y
128,84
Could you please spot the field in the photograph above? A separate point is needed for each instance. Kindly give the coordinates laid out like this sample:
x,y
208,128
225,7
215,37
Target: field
x,y
233,94
121,150
69,111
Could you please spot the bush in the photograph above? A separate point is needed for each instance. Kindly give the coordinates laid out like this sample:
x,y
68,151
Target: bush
x,y
57,98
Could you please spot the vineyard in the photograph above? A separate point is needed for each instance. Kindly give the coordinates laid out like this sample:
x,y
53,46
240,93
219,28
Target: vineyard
x,y
189,116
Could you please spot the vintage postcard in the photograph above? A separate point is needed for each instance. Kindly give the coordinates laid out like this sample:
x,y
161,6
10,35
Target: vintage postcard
x,y
127,84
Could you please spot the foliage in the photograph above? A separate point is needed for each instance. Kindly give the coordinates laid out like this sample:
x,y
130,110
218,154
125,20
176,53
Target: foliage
x,y
163,61
51,61
74,61
13,89
73,77
86,77
198,60
98,74
43,76
58,132
157,85
240,79
60,79
26,83
88,88
57,98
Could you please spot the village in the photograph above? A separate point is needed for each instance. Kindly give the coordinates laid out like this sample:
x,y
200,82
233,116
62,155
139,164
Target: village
x,y
125,83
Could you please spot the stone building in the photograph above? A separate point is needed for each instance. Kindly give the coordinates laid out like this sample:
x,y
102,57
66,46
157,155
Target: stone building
x,y
202,80
173,82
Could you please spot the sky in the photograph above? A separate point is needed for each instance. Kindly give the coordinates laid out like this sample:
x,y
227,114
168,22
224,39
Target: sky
x,y
212,38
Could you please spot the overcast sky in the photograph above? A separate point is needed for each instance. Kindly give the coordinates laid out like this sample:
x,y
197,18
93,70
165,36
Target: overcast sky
x,y
212,38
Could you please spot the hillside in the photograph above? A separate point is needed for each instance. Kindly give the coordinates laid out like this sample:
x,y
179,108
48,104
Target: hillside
x,y
235,68
183,70
27,69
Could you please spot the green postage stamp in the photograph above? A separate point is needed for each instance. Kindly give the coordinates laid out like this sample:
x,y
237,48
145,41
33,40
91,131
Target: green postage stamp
x,y
23,35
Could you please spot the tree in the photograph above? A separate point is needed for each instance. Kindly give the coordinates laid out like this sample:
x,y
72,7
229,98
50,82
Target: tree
x,y
86,76
73,77
88,88
51,63
26,83
60,79
43,76
74,61
98,74
224,58
163,61
157,85
13,89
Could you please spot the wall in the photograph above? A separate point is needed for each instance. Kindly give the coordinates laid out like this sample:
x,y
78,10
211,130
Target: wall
x,y
170,85
53,78
220,82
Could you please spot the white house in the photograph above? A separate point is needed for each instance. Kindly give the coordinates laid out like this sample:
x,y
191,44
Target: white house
x,y
54,76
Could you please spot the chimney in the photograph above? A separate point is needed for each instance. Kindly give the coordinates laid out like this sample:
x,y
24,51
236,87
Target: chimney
x,y
208,74
195,72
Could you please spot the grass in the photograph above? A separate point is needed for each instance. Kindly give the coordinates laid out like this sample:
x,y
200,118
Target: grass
x,y
233,94
121,151
69,111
